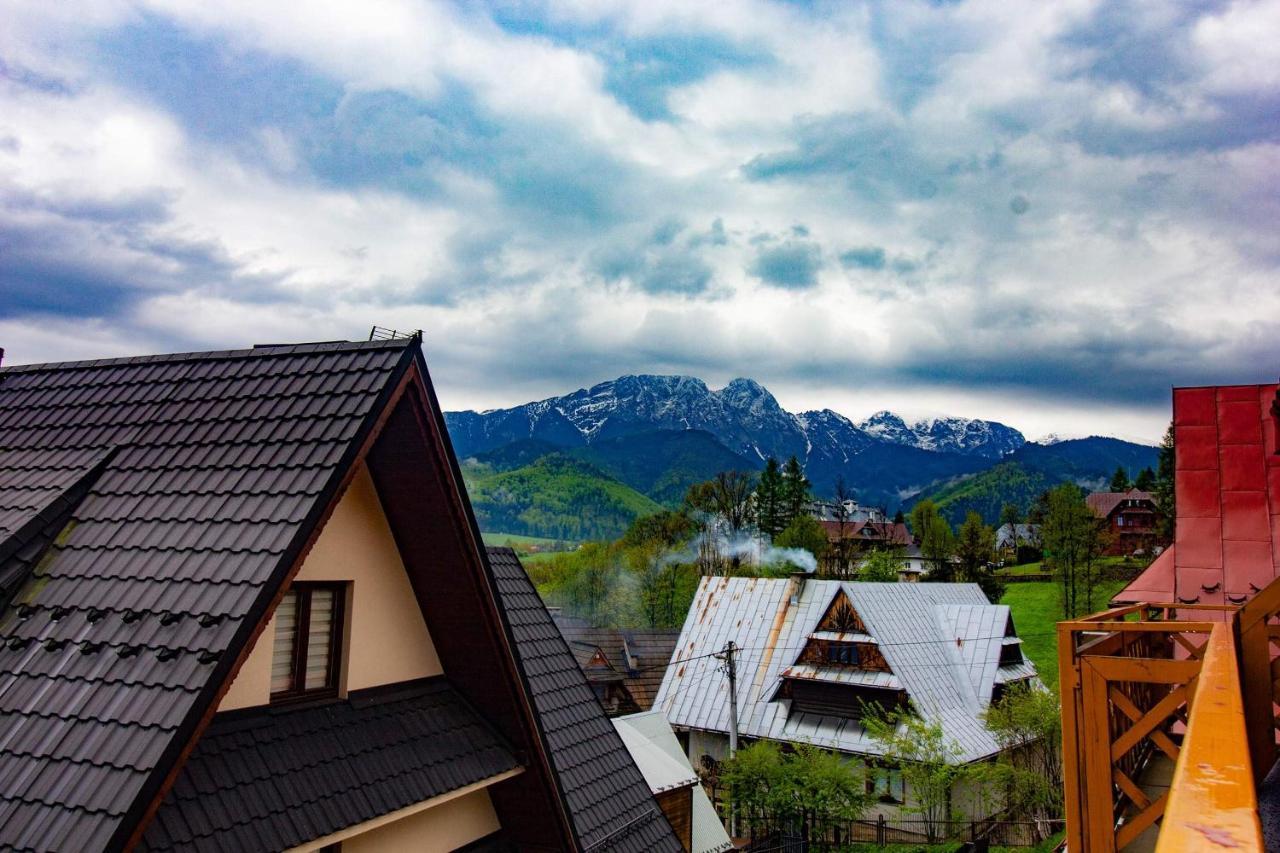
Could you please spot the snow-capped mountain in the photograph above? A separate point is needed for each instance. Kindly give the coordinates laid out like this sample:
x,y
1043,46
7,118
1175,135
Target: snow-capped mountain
x,y
743,416
988,439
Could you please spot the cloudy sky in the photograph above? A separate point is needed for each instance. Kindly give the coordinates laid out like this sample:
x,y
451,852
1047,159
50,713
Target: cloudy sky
x,y
1044,213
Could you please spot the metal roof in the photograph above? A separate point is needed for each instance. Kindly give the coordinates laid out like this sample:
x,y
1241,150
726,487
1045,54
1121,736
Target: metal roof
x,y
942,642
608,801
1227,480
146,505
274,778
653,744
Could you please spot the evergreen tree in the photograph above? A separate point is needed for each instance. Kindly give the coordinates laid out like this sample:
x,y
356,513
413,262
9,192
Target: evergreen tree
x,y
1120,480
770,517
1146,480
795,491
1165,495
899,518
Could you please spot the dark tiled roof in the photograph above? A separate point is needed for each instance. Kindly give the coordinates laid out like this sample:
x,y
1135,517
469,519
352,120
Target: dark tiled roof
x,y
607,799
650,652
212,469
270,780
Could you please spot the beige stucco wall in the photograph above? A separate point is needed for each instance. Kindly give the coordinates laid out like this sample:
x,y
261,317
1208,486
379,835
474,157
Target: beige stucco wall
x,y
447,826
387,640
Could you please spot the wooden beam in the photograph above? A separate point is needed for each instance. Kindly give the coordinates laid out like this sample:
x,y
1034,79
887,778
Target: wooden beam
x,y
1212,802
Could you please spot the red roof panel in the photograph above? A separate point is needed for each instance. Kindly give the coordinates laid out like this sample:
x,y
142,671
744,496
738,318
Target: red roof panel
x,y
1194,406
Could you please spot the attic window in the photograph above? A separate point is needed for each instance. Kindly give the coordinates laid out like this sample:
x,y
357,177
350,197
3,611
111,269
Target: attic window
x,y
308,642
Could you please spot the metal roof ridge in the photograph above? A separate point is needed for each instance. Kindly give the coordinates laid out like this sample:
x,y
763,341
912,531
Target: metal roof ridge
x,y
256,351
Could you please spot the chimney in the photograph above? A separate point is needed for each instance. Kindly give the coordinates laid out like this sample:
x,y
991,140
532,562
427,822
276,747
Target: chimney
x,y
797,586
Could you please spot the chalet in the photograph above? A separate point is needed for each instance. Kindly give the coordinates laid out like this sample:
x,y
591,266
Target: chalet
x,y
1131,518
243,606
815,654
623,666
1011,537
850,541
675,785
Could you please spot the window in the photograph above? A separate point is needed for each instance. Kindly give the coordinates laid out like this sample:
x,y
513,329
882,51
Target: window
x,y
308,641
886,785
842,653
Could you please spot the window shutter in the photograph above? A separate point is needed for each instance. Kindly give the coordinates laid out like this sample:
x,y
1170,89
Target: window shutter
x,y
318,635
282,652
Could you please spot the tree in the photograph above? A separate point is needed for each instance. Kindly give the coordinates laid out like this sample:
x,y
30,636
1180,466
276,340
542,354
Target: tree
x,y
899,518
975,545
1010,514
1146,480
1073,540
928,759
880,565
936,540
723,502
796,493
770,516
806,533
1120,480
1165,493
1027,723
839,551
808,786
666,528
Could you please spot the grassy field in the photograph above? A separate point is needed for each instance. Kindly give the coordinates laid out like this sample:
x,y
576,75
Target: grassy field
x,y
1037,608
516,540
1038,568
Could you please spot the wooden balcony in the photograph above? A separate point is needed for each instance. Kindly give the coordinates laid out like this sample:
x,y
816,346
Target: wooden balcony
x,y
1169,724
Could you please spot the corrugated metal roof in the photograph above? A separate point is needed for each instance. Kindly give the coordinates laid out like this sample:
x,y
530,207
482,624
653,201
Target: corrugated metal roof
x,y
933,637
651,733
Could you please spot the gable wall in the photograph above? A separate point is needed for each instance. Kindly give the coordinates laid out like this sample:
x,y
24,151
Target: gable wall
x,y
386,638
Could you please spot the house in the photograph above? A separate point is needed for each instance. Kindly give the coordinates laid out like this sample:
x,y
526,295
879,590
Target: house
x,y
1131,518
850,541
1227,492
243,606
675,785
1011,537
850,509
623,666
815,654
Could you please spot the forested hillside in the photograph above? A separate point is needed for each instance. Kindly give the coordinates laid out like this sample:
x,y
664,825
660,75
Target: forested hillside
x,y
555,496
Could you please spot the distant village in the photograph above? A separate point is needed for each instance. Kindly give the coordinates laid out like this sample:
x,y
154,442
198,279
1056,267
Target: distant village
x,y
244,603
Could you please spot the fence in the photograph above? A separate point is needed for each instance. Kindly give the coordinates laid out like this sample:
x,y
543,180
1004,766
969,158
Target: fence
x,y
882,832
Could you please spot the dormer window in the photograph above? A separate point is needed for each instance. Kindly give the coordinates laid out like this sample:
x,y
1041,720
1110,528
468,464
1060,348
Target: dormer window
x,y
842,653
308,642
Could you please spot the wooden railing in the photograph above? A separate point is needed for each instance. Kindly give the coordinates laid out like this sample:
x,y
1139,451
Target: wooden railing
x,y
1188,684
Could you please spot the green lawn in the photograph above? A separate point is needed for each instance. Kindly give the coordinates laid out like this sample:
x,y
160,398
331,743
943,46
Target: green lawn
x,y
1038,568
524,543
1037,608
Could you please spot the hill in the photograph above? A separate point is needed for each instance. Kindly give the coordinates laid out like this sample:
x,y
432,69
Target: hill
x,y
1033,468
556,496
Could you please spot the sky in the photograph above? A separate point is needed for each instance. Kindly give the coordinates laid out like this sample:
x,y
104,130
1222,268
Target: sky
x,y
1041,213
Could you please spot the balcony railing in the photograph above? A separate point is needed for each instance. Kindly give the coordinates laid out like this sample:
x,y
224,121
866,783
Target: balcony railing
x,y
1151,686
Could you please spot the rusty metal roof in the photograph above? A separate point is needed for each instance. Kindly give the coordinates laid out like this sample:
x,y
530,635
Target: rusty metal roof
x,y
942,642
